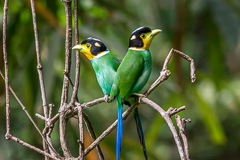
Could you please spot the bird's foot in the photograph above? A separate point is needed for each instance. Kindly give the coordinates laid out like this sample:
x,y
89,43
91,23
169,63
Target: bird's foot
x,y
140,96
107,98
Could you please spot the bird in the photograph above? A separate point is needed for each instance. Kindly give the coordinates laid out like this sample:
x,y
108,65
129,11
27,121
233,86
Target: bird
x,y
132,74
105,65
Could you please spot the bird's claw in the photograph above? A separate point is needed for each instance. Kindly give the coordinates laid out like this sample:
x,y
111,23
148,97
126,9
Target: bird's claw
x,y
140,96
107,98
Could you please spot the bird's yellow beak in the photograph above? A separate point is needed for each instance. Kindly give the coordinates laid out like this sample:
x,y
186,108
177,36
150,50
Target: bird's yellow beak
x,y
149,37
78,47
155,32
85,50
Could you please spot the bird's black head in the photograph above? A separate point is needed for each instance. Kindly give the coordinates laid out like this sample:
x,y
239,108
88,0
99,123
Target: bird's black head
x,y
91,47
141,38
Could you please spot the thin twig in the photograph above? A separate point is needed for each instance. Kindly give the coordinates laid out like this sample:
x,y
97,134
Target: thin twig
x,y
68,46
39,69
165,73
167,118
183,55
39,65
33,147
62,132
181,123
81,130
77,70
5,9
84,105
64,97
76,84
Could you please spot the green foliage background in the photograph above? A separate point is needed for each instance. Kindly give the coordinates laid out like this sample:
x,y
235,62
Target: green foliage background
x,y
206,30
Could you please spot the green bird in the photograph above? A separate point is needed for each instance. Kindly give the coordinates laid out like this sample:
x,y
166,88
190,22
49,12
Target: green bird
x,y
133,73
105,65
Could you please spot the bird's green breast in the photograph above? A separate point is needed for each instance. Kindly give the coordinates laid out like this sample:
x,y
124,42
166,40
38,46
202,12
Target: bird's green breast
x,y
105,68
142,80
134,72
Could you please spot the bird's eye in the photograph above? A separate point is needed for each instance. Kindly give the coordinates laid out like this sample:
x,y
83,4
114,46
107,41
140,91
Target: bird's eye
x,y
88,45
143,35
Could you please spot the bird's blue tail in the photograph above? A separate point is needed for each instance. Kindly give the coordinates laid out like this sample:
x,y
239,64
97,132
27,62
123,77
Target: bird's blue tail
x,y
119,127
140,131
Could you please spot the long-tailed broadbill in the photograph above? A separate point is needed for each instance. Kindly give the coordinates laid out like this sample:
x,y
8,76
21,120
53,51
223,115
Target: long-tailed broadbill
x,y
133,73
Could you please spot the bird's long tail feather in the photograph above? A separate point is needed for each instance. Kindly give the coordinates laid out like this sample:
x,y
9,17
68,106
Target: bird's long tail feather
x,y
140,131
119,127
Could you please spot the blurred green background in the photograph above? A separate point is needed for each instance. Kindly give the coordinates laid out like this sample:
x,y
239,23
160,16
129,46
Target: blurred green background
x,y
206,30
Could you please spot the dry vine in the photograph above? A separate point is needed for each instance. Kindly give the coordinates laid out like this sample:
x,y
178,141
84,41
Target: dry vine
x,y
69,109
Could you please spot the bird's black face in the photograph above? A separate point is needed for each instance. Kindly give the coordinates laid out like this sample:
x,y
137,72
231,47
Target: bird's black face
x,y
91,47
135,38
142,37
96,45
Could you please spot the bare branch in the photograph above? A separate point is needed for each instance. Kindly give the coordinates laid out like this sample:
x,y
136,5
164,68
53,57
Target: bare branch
x,y
39,65
5,9
172,111
183,55
84,105
41,80
164,74
77,70
68,46
167,118
181,123
32,147
81,138
64,97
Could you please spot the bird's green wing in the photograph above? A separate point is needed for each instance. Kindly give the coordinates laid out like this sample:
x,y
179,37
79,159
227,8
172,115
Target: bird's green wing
x,y
117,61
129,71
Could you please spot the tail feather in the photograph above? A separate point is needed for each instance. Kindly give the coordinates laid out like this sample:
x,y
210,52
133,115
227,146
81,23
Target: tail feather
x,y
140,132
119,127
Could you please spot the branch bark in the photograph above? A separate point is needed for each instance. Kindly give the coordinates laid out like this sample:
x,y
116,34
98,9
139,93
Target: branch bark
x,y
181,123
77,70
40,74
64,97
167,117
32,147
5,9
